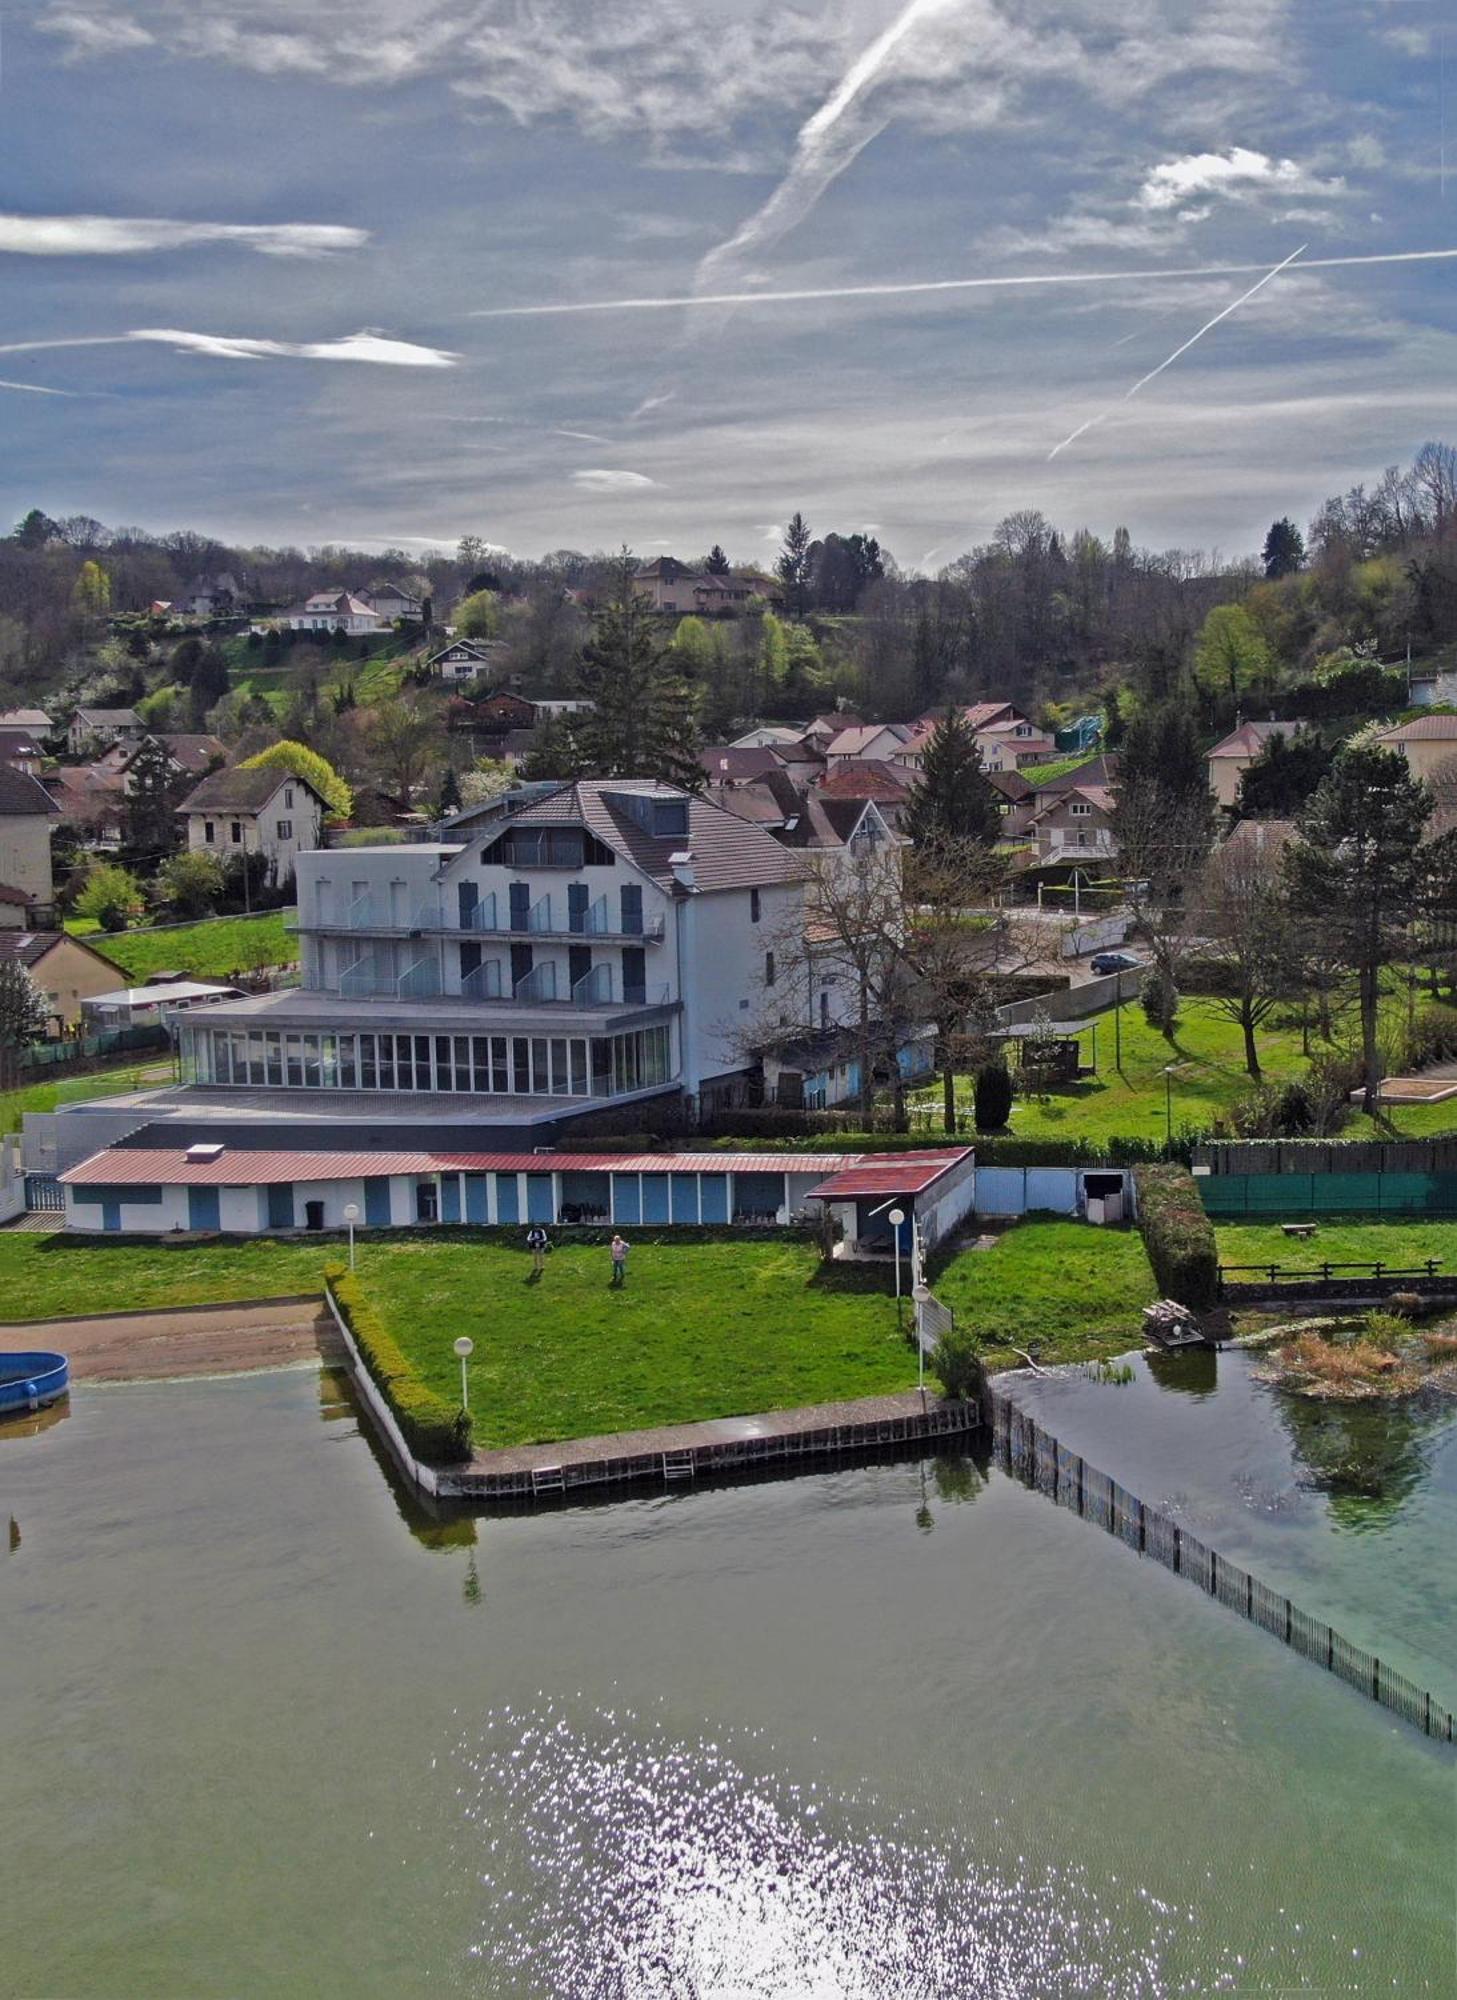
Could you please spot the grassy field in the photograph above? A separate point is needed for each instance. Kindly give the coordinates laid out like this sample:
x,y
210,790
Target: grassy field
x,y
45,1277
1072,1291
1395,1240
99,1083
1127,1099
211,950
702,1329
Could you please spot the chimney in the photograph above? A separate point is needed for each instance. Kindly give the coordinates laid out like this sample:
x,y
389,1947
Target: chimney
x,y
682,867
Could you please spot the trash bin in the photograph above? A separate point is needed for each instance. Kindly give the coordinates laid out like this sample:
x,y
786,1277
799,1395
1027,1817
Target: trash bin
x,y
313,1215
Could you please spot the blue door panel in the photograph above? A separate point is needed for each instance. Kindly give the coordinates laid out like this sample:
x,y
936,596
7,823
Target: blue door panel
x,y
377,1201
202,1208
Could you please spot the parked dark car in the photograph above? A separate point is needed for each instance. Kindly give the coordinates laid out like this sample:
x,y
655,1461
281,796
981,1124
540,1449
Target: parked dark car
x,y
1114,961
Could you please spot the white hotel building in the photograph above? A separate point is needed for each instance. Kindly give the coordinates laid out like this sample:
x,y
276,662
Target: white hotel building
x,y
613,942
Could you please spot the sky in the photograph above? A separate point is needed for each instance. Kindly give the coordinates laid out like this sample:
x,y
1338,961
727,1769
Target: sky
x,y
579,273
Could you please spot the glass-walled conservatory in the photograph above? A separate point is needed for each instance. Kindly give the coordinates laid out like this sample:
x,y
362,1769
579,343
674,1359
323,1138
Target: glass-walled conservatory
x,y
495,1065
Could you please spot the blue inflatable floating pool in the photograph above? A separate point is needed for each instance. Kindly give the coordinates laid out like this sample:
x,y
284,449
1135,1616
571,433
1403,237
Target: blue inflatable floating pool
x,y
30,1381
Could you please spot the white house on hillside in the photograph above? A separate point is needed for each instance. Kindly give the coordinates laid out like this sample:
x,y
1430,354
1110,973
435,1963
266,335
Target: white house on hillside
x,y
329,611
259,811
27,814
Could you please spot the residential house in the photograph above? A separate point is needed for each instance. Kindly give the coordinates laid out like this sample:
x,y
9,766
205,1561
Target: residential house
x,y
188,756
329,611
91,802
884,784
1016,801
1427,743
263,810
20,750
92,729
219,596
392,603
464,659
876,741
1233,755
27,814
671,586
1014,745
1075,826
34,719
668,585
66,969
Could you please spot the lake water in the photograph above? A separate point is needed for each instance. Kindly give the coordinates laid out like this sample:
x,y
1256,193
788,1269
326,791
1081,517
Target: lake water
x,y
895,1730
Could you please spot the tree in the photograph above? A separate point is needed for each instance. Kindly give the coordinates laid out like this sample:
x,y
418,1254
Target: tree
x,y
209,684
992,1101
112,895
36,530
953,951
1280,780
1163,822
1243,912
954,798
402,736
555,753
717,563
475,616
1357,872
91,594
1284,550
642,724
307,764
1230,655
24,1013
793,565
154,792
190,883
487,781
449,800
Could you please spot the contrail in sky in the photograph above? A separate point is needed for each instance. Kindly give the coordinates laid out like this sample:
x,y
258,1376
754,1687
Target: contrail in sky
x,y
677,300
1208,327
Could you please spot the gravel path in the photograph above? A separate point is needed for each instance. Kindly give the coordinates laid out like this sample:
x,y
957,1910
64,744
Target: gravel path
x,y
195,1340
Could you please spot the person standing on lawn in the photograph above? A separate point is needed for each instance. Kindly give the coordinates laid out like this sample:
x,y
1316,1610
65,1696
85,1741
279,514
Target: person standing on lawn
x,y
619,1262
538,1243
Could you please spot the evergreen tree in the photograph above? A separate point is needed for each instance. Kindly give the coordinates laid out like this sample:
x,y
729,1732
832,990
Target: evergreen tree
x,y
1284,550
642,723
449,801
151,828
718,562
954,800
1358,874
1284,775
209,684
555,754
794,564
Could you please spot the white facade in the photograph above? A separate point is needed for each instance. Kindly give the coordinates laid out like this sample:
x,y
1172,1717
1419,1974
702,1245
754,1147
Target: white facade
x,y
284,828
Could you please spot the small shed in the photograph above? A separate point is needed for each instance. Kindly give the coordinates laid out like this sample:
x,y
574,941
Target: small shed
x,y
932,1189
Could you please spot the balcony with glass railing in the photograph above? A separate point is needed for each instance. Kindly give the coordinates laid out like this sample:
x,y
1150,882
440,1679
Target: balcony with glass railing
x,y
548,917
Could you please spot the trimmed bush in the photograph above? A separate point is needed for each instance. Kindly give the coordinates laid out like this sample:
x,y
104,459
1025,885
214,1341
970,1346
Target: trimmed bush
x,y
1178,1235
992,1101
956,1364
435,1430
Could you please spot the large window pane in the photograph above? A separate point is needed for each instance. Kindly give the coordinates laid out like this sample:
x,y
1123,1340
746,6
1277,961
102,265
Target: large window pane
x,y
404,1063
559,1066
293,1057
348,1063
368,1076
386,1062
311,1061
579,1069
462,1062
540,1080
520,1066
444,1068
273,1057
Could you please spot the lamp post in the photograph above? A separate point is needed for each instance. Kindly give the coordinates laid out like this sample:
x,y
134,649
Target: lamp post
x,y
465,1347
896,1218
921,1294
351,1216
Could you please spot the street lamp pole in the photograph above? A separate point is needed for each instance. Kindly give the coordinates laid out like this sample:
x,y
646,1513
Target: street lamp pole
x,y
921,1295
896,1219
351,1216
465,1347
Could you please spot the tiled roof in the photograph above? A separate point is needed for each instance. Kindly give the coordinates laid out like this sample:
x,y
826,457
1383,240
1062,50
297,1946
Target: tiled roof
x,y
728,853
872,778
850,742
1251,737
16,897
1097,771
110,718
242,790
738,762
890,1174
1425,729
31,946
237,1166
25,718
21,796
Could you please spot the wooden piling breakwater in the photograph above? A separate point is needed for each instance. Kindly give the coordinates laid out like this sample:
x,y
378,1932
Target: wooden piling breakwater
x,y
1022,1447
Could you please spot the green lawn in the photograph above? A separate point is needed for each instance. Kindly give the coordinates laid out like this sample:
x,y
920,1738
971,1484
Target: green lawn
x,y
98,1083
46,1277
1073,1291
702,1329
1126,1099
211,950
1395,1240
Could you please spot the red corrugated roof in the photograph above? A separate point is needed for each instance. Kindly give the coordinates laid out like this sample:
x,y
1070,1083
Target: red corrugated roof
x,y
237,1166
890,1174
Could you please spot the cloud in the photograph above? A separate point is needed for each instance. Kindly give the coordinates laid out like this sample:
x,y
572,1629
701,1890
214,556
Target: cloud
x,y
119,236
366,346
1239,172
598,479
35,389
94,34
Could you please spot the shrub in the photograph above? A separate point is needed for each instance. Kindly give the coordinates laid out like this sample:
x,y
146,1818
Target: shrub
x,y
993,1097
1178,1235
956,1364
1159,998
112,895
435,1430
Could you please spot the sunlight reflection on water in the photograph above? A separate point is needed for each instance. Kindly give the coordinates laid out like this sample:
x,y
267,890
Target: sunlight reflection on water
x,y
615,1861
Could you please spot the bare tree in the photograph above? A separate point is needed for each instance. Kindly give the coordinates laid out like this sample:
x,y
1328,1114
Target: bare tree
x,y
1242,910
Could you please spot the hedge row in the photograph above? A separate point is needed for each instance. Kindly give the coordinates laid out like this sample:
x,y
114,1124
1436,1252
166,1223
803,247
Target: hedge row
x,y
436,1430
1178,1235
